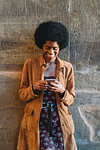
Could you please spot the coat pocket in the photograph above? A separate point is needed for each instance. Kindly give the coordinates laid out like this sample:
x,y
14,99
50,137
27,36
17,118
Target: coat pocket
x,y
66,119
28,119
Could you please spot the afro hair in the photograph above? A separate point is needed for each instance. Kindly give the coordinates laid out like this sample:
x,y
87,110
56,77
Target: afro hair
x,y
51,31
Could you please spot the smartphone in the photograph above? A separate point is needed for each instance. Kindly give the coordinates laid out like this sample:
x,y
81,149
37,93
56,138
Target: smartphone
x,y
50,80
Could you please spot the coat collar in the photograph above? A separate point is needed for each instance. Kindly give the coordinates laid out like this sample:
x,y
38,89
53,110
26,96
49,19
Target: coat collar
x,y
59,62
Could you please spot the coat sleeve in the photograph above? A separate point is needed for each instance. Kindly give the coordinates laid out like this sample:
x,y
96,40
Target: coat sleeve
x,y
69,94
26,89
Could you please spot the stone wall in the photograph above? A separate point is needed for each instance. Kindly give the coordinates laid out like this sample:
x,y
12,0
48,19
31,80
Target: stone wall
x,y
18,20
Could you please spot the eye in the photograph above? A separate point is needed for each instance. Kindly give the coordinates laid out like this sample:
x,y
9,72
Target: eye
x,y
55,48
47,47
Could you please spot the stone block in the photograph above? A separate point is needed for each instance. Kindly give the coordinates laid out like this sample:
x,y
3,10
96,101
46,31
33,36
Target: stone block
x,y
17,9
88,146
7,146
85,55
16,45
87,80
91,116
2,113
85,99
2,136
84,19
81,129
55,11
11,120
9,85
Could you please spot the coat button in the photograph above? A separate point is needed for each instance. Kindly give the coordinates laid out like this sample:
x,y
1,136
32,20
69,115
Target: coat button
x,y
62,124
62,127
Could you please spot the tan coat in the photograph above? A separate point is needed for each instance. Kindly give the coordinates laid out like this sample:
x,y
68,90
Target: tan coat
x,y
33,71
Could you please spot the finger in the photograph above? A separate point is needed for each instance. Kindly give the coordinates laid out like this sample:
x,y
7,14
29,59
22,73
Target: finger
x,y
43,85
57,82
43,88
43,82
54,84
51,88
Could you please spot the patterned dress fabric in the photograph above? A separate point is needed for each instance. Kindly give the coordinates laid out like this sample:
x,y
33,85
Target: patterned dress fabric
x,y
47,141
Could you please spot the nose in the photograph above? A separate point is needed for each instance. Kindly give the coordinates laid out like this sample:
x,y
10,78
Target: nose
x,y
51,51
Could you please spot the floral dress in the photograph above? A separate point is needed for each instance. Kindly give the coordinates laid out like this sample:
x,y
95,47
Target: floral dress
x,y
49,125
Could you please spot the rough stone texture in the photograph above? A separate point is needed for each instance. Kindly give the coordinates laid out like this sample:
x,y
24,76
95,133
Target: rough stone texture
x,y
11,110
91,116
87,80
9,85
16,45
85,34
18,20
84,99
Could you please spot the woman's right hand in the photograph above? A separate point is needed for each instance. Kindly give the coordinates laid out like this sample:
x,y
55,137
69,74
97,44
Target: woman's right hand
x,y
40,85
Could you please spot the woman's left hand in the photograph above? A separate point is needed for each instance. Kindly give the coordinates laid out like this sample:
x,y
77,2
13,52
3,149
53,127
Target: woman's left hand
x,y
56,87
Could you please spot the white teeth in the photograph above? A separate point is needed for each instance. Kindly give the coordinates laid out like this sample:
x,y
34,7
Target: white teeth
x,y
50,55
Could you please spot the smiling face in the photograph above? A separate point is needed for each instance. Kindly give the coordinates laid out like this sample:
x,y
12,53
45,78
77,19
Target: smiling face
x,y
50,51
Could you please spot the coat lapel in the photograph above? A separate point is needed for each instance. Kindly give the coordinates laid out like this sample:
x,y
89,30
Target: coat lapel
x,y
59,67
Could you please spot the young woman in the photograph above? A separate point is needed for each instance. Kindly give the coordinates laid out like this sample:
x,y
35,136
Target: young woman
x,y
47,87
